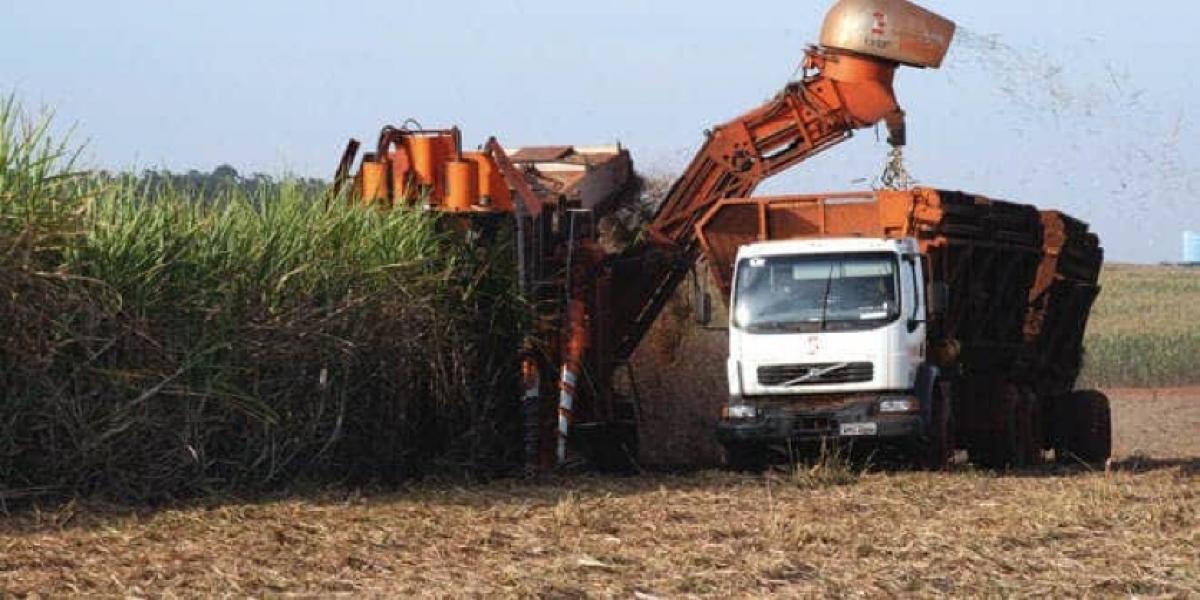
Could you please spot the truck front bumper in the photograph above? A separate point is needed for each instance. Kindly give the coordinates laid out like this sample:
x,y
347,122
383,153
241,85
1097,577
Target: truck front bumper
x,y
802,421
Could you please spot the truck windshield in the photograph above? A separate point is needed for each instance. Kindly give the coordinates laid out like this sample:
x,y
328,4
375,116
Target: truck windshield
x,y
816,292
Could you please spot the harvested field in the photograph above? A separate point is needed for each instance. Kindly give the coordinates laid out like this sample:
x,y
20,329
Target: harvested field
x,y
1133,531
1161,423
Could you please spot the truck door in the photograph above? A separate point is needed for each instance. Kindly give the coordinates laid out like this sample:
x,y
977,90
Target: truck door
x,y
913,318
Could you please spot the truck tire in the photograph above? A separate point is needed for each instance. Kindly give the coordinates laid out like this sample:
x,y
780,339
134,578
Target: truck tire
x,y
1029,437
938,446
747,457
1088,428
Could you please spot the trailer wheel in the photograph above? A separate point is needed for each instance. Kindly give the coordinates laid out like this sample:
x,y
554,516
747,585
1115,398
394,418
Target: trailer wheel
x,y
1088,427
989,450
747,457
1010,441
1028,441
937,451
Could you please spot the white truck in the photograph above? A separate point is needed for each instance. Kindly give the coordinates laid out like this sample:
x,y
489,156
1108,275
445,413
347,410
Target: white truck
x,y
827,338
931,319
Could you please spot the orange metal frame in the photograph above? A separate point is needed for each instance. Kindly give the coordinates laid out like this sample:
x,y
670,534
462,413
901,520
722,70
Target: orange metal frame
x,y
409,165
840,92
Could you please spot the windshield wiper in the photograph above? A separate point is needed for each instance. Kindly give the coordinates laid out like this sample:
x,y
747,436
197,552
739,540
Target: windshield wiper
x,y
789,326
825,297
774,325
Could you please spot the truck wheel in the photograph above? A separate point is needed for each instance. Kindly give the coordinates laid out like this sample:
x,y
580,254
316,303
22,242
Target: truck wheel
x,y
748,458
937,450
1088,427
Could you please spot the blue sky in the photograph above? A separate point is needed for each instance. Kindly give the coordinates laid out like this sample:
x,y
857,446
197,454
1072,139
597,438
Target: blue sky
x,y
1083,107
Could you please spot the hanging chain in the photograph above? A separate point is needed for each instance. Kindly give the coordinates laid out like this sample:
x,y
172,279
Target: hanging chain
x,y
895,176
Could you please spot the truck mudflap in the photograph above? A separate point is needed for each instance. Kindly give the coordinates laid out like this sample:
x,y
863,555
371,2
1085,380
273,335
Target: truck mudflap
x,y
856,420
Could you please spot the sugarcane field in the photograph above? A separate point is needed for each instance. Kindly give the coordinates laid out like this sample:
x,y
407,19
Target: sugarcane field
x,y
851,298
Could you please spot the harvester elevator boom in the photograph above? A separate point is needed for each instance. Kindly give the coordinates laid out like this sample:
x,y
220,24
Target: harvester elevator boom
x,y
847,85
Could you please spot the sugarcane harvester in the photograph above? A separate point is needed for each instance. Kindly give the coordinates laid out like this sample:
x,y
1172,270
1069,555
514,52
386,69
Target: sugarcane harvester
x,y
846,85
998,294
984,351
549,196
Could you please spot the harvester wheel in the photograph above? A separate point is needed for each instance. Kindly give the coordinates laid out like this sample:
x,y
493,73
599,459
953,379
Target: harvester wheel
x,y
748,458
610,447
938,447
1089,427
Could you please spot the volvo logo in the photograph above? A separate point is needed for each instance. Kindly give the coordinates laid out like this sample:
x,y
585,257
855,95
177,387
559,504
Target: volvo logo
x,y
813,373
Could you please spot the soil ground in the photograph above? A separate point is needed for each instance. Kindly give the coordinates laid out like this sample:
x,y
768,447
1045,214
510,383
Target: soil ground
x,y
1161,423
834,531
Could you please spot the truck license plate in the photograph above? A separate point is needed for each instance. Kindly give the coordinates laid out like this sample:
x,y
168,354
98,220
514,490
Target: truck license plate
x,y
857,429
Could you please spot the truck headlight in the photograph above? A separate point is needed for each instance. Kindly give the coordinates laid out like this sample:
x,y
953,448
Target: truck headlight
x,y
899,404
740,411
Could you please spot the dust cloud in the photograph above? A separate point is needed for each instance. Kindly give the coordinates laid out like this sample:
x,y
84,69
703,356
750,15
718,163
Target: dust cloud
x,y
1112,150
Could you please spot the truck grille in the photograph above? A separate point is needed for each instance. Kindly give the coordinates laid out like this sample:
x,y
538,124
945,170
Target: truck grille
x,y
816,374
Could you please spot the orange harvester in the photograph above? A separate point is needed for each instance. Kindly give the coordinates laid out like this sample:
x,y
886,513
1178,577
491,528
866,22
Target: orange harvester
x,y
1020,281
846,85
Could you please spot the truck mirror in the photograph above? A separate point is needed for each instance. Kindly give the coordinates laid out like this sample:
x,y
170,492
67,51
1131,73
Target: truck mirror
x,y
939,296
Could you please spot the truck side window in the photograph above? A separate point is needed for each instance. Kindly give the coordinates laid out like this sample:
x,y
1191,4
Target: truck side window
x,y
916,295
911,302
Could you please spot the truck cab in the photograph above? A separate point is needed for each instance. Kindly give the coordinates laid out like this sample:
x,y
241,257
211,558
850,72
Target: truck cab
x,y
827,339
